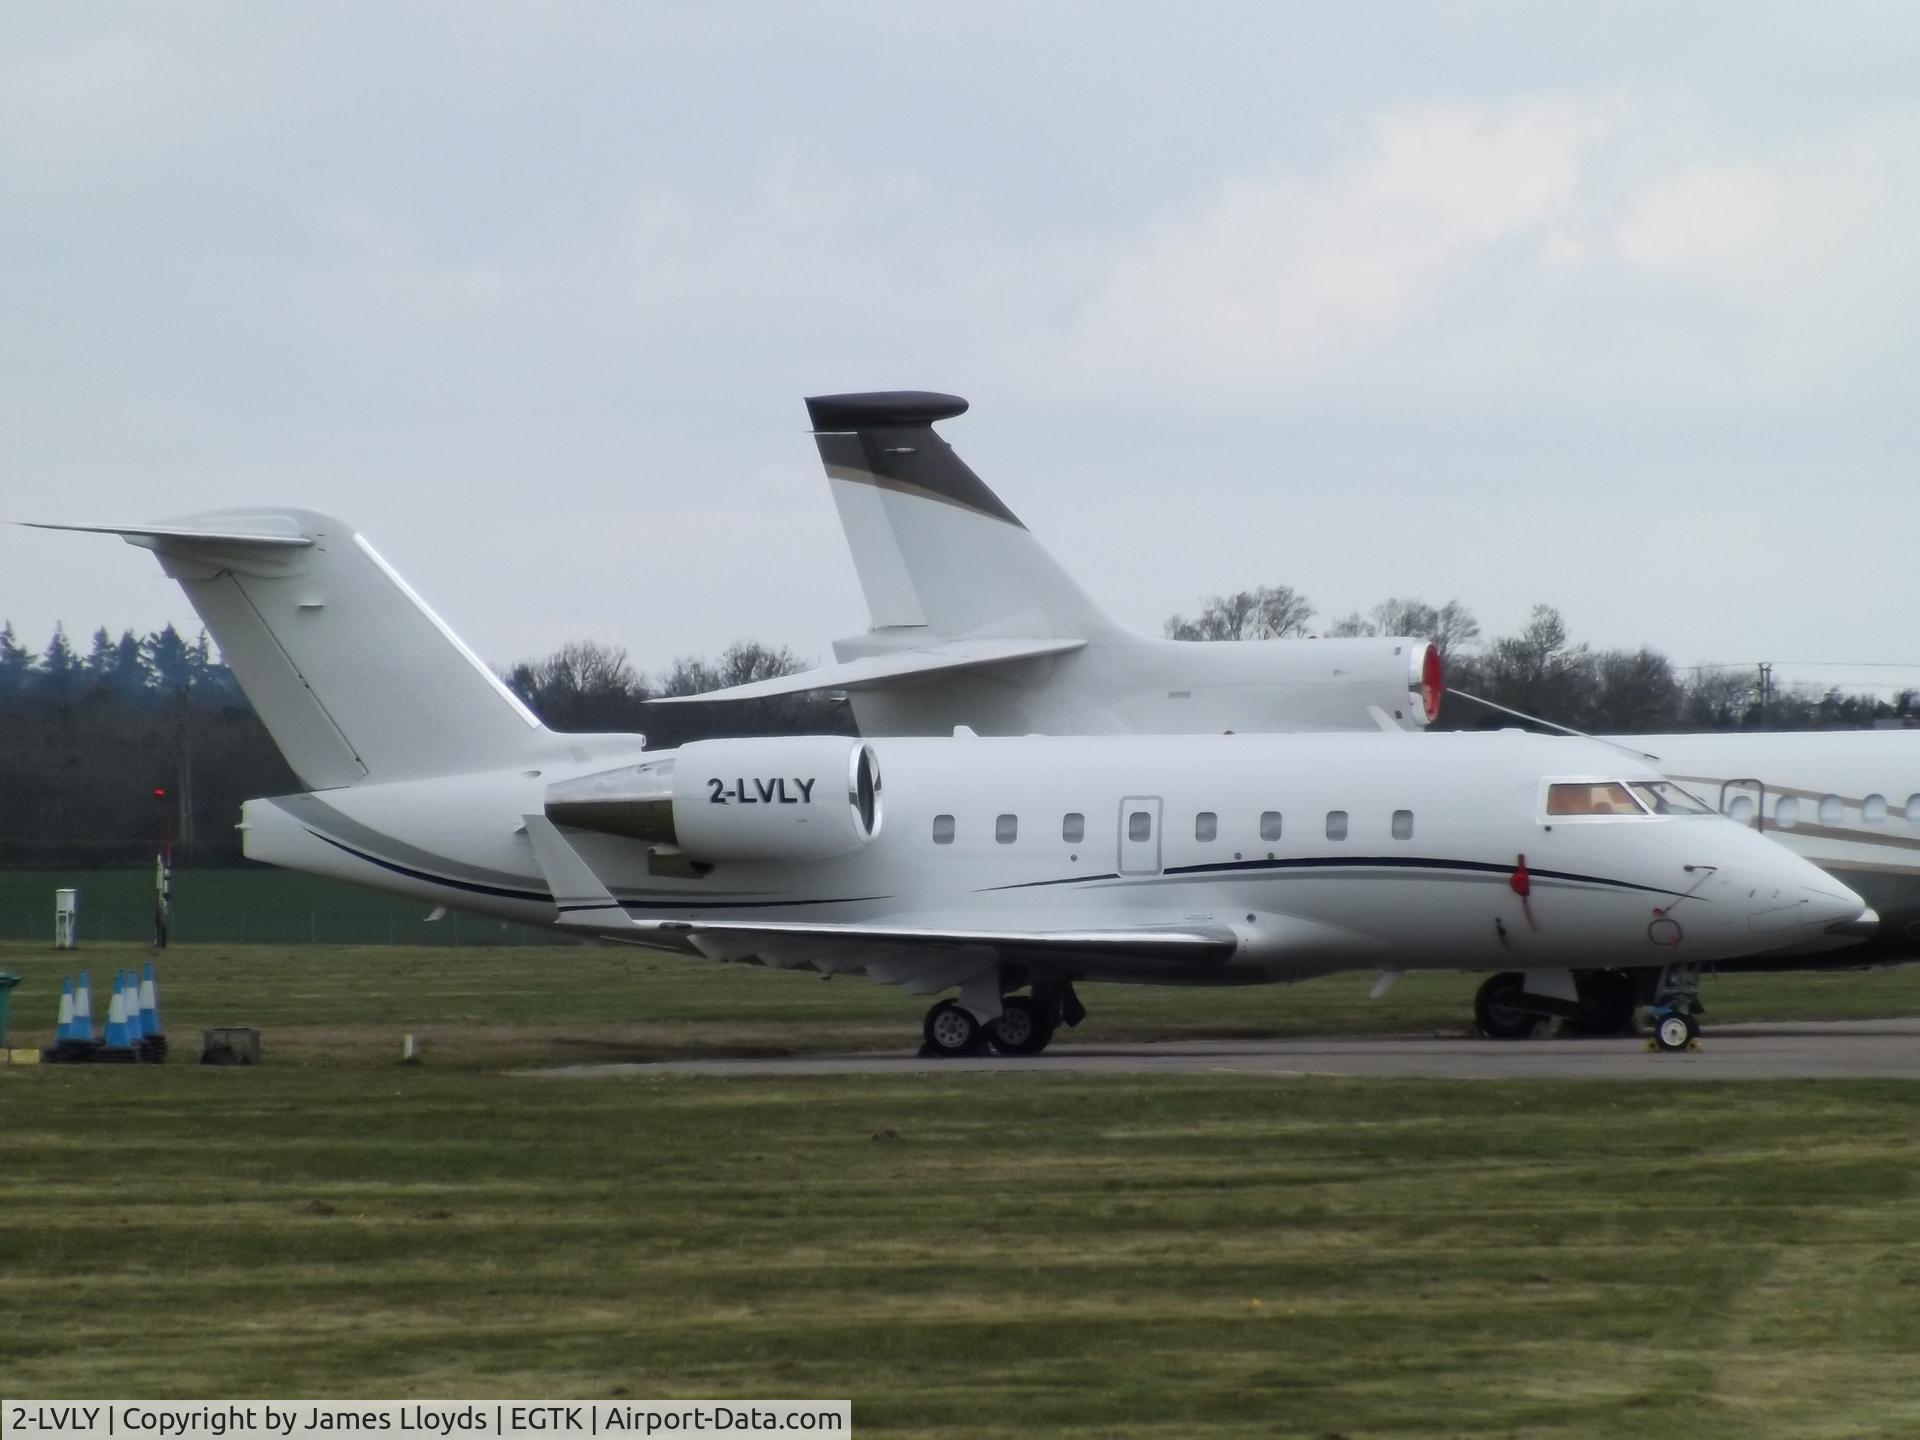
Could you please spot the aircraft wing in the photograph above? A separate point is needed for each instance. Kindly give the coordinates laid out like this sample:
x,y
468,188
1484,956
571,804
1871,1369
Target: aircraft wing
x,y
920,958
889,669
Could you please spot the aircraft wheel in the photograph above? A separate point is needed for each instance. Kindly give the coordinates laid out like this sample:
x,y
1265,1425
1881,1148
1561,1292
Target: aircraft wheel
x,y
1675,1031
1606,1004
1499,1010
1022,1028
951,1031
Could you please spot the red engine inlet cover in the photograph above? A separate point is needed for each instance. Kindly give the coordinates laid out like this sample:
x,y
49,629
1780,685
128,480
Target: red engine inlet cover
x,y
1433,683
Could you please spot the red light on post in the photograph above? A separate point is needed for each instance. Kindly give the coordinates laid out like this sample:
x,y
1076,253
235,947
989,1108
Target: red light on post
x,y
159,792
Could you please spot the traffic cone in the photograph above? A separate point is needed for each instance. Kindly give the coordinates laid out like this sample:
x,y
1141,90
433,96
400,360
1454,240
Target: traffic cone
x,y
118,1044
83,1010
130,987
153,1040
73,1041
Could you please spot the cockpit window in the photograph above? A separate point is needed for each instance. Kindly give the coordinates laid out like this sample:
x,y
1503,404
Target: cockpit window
x,y
1663,797
1590,797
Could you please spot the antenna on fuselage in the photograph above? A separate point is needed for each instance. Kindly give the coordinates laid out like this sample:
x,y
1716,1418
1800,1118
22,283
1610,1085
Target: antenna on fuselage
x,y
1551,725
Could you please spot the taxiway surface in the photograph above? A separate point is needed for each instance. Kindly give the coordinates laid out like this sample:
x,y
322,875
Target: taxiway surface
x,y
1803,1050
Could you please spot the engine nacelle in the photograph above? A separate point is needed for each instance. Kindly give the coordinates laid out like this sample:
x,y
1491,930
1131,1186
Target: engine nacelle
x,y
1321,684
801,797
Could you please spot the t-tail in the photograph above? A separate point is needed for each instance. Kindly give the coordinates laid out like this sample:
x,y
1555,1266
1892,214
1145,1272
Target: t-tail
x,y
936,550
353,675
973,623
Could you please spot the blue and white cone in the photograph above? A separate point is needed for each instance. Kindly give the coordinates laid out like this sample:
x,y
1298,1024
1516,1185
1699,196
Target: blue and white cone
x,y
119,1038
130,987
149,1004
153,1040
73,1042
82,1032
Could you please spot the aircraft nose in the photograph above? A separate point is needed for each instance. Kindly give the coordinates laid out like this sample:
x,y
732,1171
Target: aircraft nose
x,y
1809,907
1862,925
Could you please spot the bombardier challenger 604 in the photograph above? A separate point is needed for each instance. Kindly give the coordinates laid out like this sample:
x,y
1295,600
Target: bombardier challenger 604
x,y
1005,870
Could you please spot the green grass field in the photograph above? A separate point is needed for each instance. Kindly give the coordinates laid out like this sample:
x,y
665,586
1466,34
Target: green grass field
x,y
497,1007
1041,1255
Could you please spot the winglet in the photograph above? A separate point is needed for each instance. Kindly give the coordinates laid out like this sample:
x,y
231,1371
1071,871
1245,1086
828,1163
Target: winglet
x,y
578,894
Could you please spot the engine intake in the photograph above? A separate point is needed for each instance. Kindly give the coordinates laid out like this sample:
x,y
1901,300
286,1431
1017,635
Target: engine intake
x,y
804,797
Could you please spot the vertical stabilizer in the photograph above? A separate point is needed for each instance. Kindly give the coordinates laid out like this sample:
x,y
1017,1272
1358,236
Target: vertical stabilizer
x,y
936,550
351,672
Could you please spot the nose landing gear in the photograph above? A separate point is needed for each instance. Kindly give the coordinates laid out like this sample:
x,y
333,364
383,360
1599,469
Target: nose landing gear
x,y
1676,1008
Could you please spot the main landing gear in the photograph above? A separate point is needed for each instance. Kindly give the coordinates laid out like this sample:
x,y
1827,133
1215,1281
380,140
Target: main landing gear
x,y
1025,1025
1504,1009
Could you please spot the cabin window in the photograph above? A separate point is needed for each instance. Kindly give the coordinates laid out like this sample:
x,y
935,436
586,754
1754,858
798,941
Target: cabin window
x,y
1006,829
1913,811
943,829
1206,825
1873,809
1740,809
1786,812
1140,825
1336,824
1403,824
1073,828
1590,797
1833,810
1269,824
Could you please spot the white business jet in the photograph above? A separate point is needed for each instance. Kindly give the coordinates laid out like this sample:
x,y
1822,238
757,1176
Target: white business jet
x,y
943,562
983,866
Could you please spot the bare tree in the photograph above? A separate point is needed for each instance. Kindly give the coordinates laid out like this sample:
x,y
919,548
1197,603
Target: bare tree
x,y
1634,692
1270,612
582,686
1448,627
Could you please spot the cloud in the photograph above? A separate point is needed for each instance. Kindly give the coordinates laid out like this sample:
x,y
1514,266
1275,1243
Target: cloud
x,y
1812,242
1276,278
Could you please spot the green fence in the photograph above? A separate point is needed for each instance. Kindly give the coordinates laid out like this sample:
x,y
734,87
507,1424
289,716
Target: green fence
x,y
242,906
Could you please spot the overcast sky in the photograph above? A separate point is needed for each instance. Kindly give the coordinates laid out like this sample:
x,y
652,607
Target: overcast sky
x,y
1612,307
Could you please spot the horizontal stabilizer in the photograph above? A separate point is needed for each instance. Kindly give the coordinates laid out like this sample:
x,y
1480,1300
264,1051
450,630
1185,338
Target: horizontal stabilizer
x,y
882,409
874,671
134,534
352,673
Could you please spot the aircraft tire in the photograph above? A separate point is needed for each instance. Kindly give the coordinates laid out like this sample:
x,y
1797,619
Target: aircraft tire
x,y
1498,1010
1675,1031
951,1031
1022,1028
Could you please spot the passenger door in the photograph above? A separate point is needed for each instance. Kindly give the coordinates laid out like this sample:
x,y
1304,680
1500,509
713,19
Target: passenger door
x,y
1140,835
1744,800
